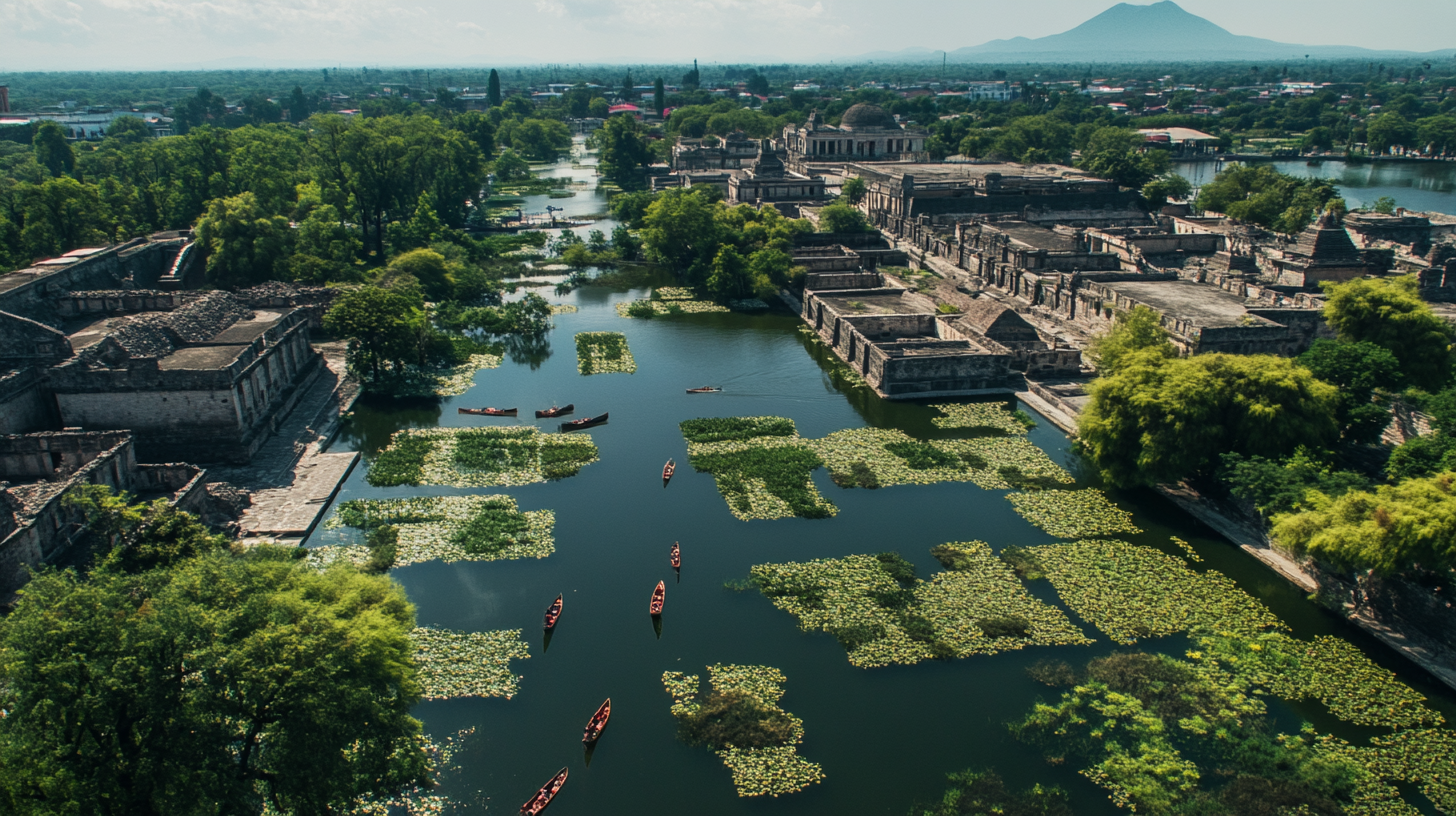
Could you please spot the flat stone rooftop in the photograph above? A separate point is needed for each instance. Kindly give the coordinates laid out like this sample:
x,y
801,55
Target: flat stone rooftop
x,y
907,303
200,358
1196,303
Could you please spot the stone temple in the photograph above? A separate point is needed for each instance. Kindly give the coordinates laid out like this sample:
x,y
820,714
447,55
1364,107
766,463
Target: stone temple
x,y
864,133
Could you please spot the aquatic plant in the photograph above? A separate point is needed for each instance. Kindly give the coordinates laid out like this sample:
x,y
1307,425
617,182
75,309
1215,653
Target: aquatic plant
x,y
882,615
480,457
728,429
673,293
983,792
653,308
563,308
467,664
895,459
444,528
983,415
763,478
603,353
1131,592
1073,513
742,720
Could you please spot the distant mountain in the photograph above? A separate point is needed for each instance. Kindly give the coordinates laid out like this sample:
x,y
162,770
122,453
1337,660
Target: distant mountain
x,y
1161,32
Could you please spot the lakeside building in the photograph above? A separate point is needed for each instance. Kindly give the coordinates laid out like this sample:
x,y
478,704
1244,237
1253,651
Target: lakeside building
x,y
767,181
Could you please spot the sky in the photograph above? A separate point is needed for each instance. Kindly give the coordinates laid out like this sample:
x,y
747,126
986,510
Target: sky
x,y
160,34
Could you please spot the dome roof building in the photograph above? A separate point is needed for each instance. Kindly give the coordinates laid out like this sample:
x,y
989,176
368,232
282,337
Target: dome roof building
x,y
865,133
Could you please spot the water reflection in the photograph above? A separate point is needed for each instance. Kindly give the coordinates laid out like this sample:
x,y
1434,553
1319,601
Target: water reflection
x,y
528,349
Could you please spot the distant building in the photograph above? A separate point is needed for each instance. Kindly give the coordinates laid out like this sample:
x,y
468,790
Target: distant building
x,y
865,133
767,181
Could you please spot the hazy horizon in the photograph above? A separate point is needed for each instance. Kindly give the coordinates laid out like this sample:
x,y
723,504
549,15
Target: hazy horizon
x,y
51,35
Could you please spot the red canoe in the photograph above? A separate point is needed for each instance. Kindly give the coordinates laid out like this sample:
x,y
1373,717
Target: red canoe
x,y
543,797
667,470
553,411
598,723
658,596
553,613
676,556
490,411
707,389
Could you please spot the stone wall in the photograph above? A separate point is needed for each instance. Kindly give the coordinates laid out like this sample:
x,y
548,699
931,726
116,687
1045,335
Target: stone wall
x,y
25,404
26,342
817,281
32,292
116,302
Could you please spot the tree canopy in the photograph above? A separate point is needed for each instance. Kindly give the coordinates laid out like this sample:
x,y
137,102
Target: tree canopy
x,y
1410,525
1155,419
1264,196
1390,313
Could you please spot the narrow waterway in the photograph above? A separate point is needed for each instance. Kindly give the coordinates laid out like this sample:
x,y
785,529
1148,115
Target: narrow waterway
x,y
885,737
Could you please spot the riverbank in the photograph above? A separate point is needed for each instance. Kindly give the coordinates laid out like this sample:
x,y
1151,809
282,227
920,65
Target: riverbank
x,y
1252,539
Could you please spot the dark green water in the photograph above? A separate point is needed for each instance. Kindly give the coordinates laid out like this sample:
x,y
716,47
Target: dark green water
x,y
885,737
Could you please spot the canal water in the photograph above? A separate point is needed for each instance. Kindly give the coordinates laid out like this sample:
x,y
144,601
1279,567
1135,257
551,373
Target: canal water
x,y
885,737
1419,186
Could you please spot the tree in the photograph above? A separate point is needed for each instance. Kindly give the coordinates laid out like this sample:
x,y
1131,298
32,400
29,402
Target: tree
x,y
1156,419
478,128
426,266
61,214
659,96
1168,186
1119,154
540,139
212,687
1389,130
52,151
1264,196
599,108
622,150
511,167
262,110
299,106
679,229
853,189
1391,314
1410,525
373,320
1139,329
323,237
128,130
244,244
1358,370
839,217
493,89
1385,205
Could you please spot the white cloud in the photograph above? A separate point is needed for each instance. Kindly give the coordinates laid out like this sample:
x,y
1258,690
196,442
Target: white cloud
x,y
42,19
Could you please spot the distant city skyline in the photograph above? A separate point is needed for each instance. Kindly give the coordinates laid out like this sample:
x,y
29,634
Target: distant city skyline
x,y
161,34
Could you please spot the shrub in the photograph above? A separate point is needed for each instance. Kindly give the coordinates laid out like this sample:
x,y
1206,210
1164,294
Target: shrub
x,y
897,567
642,308
1024,563
924,456
1013,626
737,719
952,558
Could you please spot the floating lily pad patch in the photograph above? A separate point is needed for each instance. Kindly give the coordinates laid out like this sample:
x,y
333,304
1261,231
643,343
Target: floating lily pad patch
x,y
450,382
468,664
882,615
673,293
446,528
480,457
744,707
991,463
603,353
993,416
563,308
667,307
1073,513
1133,593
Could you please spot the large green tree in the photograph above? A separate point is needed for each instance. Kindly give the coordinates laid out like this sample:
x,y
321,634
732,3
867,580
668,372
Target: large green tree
x,y
1156,419
1407,526
1391,314
1121,155
1358,370
1135,330
244,243
373,319
680,229
622,150
220,686
52,151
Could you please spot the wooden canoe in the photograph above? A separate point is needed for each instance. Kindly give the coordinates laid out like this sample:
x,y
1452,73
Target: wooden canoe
x,y
675,556
659,596
707,389
597,724
543,797
553,614
490,411
667,471
554,411
584,422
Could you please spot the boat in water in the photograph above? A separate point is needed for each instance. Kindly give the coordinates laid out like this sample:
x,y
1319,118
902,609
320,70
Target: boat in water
x,y
543,797
553,614
675,556
597,724
667,471
584,422
707,389
490,411
554,411
659,596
